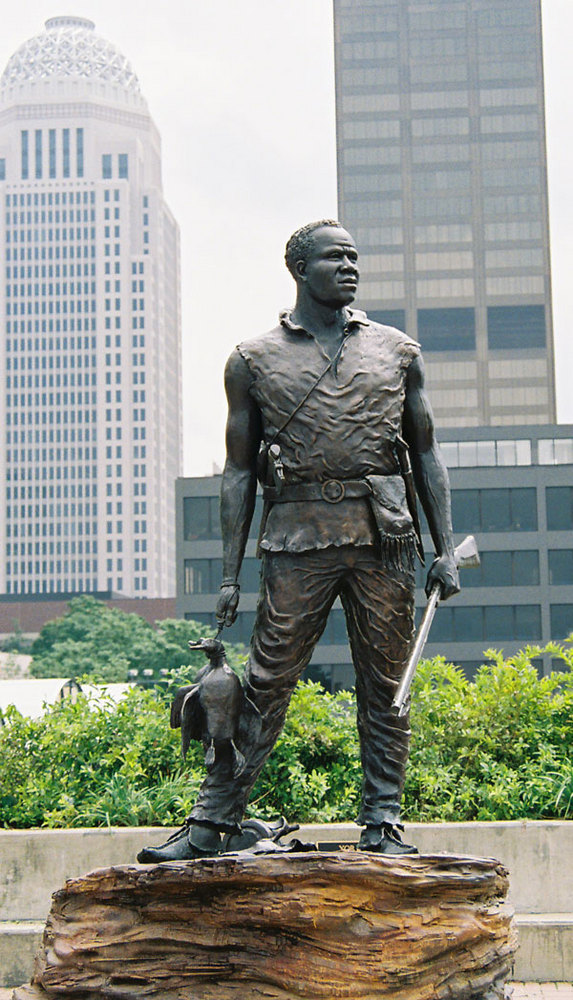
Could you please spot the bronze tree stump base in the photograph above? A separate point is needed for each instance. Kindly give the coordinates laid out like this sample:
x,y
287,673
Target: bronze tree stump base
x,y
280,927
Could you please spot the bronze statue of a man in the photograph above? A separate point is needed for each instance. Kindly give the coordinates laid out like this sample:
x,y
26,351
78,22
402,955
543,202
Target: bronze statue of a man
x,y
327,409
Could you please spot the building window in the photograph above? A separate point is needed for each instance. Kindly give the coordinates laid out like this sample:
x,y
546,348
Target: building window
x,y
389,317
561,621
469,454
561,568
202,576
495,510
106,166
52,152
555,451
559,500
38,152
25,162
80,152
511,328
493,623
447,329
519,568
2,169
66,152
122,166
200,518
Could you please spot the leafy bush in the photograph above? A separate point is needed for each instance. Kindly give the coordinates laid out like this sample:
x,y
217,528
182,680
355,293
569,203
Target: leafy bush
x,y
498,747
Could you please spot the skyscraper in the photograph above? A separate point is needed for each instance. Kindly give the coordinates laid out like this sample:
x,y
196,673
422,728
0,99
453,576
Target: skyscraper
x,y
442,180
90,394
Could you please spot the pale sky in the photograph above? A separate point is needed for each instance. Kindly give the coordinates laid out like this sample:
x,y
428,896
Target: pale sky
x,y
243,96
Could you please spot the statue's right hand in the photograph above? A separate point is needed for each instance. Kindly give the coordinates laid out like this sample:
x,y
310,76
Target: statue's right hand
x,y
226,610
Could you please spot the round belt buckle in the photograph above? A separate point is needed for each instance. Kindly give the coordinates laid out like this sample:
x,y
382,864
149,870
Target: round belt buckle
x,y
332,491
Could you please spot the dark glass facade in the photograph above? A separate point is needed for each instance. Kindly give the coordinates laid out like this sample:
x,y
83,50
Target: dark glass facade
x,y
442,181
519,506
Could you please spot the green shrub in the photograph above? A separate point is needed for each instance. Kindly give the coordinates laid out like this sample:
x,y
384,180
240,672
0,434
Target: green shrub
x,y
500,747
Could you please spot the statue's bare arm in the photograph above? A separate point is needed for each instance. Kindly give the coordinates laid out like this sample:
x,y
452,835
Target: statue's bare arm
x,y
431,478
239,485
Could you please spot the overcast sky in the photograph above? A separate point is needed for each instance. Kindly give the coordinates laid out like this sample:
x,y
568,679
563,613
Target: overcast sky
x,y
243,95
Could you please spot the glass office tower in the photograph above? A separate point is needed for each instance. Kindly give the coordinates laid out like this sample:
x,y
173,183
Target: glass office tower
x,y
90,397
442,181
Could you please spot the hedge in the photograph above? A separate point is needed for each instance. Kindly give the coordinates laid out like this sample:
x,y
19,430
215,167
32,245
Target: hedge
x,y
498,747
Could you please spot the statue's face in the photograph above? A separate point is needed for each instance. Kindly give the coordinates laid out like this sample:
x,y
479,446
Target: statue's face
x,y
331,271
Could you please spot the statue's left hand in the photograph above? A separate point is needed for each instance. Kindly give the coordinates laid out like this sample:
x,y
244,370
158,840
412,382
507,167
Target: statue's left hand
x,y
445,572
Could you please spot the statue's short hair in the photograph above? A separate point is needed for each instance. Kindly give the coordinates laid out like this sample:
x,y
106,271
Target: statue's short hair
x,y
300,244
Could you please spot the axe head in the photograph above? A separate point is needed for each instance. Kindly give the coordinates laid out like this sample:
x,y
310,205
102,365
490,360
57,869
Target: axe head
x,y
466,553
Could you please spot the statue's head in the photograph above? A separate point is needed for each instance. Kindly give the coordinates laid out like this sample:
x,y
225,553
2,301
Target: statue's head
x,y
323,260
301,243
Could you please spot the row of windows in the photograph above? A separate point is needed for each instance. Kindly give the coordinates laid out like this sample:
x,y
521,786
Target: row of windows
x,y
51,288
513,231
517,568
47,146
59,360
51,198
487,625
44,216
371,155
203,576
37,437
495,510
58,454
382,75
478,454
88,585
51,399
56,252
53,568
49,307
505,569
498,623
51,417
51,548
482,510
555,451
521,623
355,129
491,123
376,236
122,166
50,235
516,285
526,257
380,48
488,98
509,328
58,511
49,271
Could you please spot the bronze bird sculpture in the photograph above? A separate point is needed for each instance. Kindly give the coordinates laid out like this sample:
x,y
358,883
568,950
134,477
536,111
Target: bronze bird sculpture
x,y
215,709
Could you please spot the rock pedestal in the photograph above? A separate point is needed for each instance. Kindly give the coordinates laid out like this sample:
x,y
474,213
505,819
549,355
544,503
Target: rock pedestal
x,y
280,927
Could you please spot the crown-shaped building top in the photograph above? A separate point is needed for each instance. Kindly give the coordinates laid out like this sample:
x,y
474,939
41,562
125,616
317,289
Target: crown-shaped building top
x,y
69,59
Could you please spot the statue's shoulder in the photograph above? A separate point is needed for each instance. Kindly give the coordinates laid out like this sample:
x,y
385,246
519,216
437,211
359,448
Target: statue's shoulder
x,y
266,345
390,335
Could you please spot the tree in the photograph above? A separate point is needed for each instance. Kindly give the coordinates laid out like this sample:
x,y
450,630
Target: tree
x,y
106,643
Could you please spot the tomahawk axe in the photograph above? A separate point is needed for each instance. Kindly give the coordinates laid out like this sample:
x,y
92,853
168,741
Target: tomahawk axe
x,y
466,555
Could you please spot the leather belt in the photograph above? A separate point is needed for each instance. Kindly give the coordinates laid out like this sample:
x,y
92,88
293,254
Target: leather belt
x,y
331,490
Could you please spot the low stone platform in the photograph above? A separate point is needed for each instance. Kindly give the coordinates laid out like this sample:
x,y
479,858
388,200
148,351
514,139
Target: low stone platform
x,y
335,925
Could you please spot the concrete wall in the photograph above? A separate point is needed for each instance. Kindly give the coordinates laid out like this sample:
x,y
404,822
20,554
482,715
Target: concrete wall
x,y
539,856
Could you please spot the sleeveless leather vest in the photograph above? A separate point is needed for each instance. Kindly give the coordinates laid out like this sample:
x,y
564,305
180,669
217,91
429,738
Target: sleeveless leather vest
x,y
345,430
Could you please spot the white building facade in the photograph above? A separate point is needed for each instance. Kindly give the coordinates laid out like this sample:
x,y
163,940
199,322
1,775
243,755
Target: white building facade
x,y
90,384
